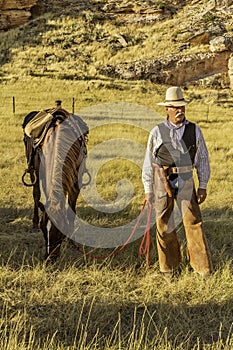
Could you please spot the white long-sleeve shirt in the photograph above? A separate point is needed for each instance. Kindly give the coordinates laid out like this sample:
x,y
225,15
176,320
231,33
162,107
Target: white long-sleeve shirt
x,y
201,161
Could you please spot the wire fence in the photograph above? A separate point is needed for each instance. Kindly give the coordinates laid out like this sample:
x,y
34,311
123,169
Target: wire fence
x,y
17,105
14,105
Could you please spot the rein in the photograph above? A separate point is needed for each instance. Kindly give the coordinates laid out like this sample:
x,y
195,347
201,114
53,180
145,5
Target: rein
x,y
145,243
144,248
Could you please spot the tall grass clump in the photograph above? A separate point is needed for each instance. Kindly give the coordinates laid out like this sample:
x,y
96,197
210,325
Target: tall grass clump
x,y
96,306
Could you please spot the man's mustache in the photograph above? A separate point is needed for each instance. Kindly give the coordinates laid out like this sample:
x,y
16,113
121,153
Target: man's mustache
x,y
178,114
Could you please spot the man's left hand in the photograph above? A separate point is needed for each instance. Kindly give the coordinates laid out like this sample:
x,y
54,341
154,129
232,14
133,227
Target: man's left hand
x,y
201,195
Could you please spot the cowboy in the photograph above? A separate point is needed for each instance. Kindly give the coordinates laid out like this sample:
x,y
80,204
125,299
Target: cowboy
x,y
175,148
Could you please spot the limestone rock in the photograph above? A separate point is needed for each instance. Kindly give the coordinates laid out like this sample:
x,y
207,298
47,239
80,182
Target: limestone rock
x,y
16,4
122,40
174,70
230,71
15,12
14,18
221,43
206,35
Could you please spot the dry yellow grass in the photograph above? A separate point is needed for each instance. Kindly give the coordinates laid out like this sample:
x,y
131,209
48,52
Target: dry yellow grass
x,y
80,303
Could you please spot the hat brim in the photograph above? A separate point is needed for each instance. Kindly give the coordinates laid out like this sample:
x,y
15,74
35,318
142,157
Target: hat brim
x,y
174,103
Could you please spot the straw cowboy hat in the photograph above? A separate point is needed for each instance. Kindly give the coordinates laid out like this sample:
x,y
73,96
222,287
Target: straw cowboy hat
x,y
174,97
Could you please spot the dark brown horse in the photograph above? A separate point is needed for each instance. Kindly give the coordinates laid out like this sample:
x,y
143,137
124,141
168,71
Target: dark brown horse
x,y
55,144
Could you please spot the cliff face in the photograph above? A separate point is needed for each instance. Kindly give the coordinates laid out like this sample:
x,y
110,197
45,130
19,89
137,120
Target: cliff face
x,y
15,12
205,69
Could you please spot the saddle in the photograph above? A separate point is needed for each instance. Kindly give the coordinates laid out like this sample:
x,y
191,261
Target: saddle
x,y
36,125
36,128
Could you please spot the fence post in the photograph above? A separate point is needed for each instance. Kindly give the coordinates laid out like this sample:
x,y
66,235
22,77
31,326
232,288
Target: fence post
x,y
13,102
73,105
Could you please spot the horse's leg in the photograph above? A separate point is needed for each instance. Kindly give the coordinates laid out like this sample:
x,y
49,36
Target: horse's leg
x,y
32,160
54,240
36,198
72,200
73,196
43,227
53,237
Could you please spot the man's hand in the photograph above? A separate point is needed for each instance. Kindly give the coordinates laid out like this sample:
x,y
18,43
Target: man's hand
x,y
149,197
201,195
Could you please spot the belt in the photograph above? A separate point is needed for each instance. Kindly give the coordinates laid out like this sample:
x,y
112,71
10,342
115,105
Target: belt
x,y
180,170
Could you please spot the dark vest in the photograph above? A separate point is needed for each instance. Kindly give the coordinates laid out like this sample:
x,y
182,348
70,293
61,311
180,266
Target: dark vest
x,y
167,155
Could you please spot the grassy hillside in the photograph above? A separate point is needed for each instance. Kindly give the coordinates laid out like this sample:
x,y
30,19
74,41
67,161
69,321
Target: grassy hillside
x,y
75,40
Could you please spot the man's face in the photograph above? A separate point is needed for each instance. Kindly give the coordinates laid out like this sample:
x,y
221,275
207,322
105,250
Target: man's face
x,y
175,114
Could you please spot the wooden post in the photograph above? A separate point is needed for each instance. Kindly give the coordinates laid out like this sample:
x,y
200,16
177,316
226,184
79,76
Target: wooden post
x,y
13,104
207,113
73,105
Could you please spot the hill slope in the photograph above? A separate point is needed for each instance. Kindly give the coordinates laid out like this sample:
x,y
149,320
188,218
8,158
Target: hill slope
x,y
100,40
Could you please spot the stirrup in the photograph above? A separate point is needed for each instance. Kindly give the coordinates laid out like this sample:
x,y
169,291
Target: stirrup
x,y
28,184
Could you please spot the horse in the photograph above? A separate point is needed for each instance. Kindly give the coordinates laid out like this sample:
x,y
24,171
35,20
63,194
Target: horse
x,y
56,149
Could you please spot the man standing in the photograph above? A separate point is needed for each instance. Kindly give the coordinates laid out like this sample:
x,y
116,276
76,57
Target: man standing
x,y
176,147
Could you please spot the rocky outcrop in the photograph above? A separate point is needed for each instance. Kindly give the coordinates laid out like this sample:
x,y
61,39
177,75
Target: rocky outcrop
x,y
230,71
221,43
138,11
176,70
16,4
15,12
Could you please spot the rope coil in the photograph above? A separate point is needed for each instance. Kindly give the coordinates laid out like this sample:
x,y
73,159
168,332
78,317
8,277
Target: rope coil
x,y
145,243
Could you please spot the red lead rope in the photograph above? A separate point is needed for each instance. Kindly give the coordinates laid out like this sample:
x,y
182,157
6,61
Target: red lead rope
x,y
145,240
144,248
